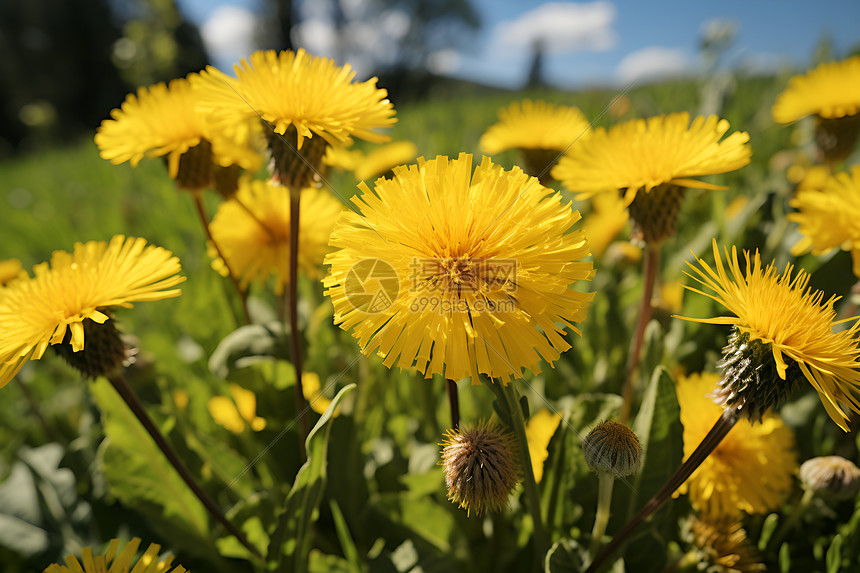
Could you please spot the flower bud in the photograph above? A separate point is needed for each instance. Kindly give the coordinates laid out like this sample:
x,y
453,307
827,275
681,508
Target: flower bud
x,y
480,466
612,448
105,349
831,476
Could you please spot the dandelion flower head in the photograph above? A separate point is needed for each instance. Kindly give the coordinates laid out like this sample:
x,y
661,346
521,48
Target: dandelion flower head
x,y
313,95
252,231
477,269
537,124
161,120
831,90
119,561
78,286
639,155
830,218
788,322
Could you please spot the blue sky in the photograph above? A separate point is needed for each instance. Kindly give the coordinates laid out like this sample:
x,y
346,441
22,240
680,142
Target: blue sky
x,y
606,41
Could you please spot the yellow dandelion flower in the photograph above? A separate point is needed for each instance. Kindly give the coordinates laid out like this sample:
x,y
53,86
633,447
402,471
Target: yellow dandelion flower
x,y
783,333
456,273
234,414
831,90
384,158
672,296
343,157
312,390
722,546
119,561
161,120
541,131
809,176
78,290
535,125
607,219
830,218
10,269
651,163
751,470
380,161
285,89
539,431
639,155
253,232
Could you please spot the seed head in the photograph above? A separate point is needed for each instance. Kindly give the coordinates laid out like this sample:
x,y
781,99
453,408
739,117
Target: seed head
x,y
480,466
612,448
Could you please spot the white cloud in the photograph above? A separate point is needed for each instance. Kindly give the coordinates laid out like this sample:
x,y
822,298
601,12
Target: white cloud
x,y
229,34
318,36
445,61
652,63
563,27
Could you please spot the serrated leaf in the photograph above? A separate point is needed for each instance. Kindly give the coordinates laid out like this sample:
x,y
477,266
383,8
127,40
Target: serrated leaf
x,y
293,535
135,468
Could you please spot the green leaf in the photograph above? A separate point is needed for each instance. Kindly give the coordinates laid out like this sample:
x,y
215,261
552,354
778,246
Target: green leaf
x,y
785,558
658,427
293,535
768,527
39,506
565,556
345,538
249,344
834,555
137,471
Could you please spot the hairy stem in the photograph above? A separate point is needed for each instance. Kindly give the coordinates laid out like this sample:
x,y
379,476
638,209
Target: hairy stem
x,y
454,403
125,391
204,220
508,398
650,264
293,303
724,423
604,504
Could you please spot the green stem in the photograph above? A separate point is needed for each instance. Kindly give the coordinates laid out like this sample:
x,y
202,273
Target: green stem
x,y
650,264
604,504
454,403
509,398
712,439
204,220
125,391
789,524
295,333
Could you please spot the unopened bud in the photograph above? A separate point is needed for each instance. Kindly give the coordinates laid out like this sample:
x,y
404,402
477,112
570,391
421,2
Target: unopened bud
x,y
612,448
831,476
